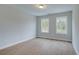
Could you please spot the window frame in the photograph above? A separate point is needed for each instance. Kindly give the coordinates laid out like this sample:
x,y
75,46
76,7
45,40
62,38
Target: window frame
x,y
41,25
66,25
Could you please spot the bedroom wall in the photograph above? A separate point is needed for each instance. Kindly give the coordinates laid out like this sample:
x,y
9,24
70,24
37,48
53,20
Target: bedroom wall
x,y
75,28
15,25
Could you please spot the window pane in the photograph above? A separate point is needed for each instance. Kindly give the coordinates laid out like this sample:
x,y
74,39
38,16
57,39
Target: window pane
x,y
61,25
45,25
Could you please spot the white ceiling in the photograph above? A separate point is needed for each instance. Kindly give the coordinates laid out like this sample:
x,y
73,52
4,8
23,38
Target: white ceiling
x,y
51,8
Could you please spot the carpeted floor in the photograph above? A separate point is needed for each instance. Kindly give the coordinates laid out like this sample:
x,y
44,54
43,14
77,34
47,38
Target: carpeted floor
x,y
40,46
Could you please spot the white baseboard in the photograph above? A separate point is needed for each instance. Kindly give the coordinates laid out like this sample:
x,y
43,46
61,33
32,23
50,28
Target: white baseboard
x,y
77,52
9,45
55,38
63,39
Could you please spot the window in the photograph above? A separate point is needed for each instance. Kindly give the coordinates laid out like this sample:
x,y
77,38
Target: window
x,y
44,25
61,25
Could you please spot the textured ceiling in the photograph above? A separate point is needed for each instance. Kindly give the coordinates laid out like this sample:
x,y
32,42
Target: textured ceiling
x,y
51,8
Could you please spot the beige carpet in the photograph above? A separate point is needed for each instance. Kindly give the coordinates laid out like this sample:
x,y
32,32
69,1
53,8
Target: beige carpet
x,y
39,46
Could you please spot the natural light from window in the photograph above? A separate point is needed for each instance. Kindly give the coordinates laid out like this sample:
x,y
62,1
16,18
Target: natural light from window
x,y
61,25
45,25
